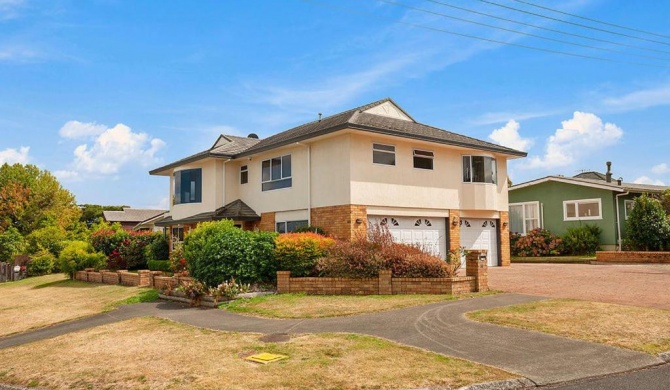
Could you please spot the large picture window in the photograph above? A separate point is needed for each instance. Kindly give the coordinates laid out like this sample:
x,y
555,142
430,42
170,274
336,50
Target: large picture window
x,y
383,154
583,209
188,186
479,169
524,217
276,173
290,226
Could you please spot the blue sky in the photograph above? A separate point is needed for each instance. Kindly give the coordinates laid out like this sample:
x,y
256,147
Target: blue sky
x,y
100,92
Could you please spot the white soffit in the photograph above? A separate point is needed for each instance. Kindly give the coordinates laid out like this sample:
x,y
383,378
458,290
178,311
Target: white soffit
x,y
407,212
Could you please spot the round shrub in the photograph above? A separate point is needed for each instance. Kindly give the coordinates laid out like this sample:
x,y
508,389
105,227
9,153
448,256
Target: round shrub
x,y
648,227
298,252
158,248
218,251
132,249
78,255
538,242
583,240
41,264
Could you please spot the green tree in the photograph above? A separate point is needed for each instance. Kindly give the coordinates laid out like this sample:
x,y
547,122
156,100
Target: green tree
x,y
648,227
665,201
31,198
11,244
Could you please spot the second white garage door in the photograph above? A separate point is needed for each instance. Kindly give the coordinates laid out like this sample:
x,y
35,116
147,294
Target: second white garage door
x,y
429,233
481,234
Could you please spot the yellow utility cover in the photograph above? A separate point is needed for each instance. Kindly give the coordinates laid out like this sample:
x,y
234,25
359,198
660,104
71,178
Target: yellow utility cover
x,y
265,358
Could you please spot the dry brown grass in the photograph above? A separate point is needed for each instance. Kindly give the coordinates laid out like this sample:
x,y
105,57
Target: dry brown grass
x,y
319,306
640,329
158,354
45,300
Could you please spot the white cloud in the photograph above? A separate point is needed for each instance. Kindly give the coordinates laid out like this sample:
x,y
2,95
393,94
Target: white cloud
x,y
78,130
63,175
659,96
508,136
647,180
660,169
583,134
161,204
13,156
112,149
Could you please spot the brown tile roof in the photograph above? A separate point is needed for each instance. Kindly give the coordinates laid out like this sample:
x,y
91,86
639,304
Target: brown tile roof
x,y
131,215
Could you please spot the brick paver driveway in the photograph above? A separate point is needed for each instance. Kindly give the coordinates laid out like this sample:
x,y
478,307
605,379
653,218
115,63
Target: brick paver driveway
x,y
638,285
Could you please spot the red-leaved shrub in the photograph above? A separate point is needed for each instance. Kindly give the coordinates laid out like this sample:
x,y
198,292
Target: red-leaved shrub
x,y
538,242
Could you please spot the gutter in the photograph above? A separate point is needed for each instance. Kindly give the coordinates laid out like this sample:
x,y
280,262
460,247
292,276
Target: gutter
x,y
309,182
618,218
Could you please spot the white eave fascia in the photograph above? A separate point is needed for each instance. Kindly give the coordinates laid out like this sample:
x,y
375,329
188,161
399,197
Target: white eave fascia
x,y
567,181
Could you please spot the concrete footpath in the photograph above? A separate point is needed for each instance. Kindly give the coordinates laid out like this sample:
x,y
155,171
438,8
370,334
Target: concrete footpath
x,y
439,327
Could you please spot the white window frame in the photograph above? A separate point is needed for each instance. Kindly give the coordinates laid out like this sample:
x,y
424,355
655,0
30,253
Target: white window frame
x,y
285,224
427,157
625,209
577,202
244,169
523,205
495,178
281,169
384,151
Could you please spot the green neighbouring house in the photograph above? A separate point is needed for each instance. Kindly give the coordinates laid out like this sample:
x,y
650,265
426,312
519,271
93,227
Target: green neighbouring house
x,y
556,203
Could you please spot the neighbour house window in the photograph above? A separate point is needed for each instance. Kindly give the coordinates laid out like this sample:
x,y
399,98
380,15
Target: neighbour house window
x,y
423,159
524,217
177,236
276,173
244,174
290,226
583,209
479,169
628,206
188,186
383,154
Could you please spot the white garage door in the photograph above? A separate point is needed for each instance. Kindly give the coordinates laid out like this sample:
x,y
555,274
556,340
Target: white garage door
x,y
481,234
429,233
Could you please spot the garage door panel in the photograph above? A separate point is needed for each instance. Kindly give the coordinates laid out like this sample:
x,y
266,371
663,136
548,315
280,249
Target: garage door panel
x,y
481,234
425,232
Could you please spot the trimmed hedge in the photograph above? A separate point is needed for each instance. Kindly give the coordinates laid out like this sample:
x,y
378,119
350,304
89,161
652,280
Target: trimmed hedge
x,y
159,265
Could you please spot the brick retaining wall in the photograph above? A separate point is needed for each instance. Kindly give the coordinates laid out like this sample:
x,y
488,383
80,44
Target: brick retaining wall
x,y
385,284
633,257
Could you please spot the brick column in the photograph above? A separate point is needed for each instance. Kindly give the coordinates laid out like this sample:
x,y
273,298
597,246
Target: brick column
x,y
144,278
385,282
454,231
283,282
505,253
477,268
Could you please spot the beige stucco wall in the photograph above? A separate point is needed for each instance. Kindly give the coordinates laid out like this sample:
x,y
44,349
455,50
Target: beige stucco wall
x,y
403,185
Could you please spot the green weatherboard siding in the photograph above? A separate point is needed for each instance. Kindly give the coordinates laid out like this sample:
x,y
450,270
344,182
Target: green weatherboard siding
x,y
551,196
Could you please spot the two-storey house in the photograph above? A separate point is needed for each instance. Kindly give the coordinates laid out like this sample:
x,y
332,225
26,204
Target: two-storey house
x,y
373,164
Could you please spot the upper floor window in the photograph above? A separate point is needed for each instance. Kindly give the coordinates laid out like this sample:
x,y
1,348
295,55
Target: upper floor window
x,y
188,186
575,210
276,173
524,217
423,159
479,169
383,154
244,174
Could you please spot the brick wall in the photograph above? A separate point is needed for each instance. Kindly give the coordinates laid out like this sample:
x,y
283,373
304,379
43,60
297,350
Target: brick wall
x,y
454,231
505,254
633,257
109,277
267,222
340,221
458,285
477,268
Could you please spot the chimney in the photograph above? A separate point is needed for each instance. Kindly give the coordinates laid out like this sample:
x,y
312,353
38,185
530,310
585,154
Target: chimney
x,y
608,175
319,117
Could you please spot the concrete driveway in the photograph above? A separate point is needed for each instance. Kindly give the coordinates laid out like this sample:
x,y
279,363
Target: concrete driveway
x,y
636,285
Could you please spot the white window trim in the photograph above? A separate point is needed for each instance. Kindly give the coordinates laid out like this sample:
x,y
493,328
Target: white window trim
x,y
245,168
577,202
394,152
282,172
540,222
625,209
479,182
426,157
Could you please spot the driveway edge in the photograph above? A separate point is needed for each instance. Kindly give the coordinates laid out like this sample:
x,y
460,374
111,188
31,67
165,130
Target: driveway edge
x,y
508,384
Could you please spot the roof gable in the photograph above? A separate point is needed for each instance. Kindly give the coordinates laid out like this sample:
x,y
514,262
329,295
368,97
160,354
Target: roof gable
x,y
389,109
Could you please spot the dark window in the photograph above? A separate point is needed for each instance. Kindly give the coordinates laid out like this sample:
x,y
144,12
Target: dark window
x,y
290,226
479,169
188,186
423,159
276,173
383,154
244,174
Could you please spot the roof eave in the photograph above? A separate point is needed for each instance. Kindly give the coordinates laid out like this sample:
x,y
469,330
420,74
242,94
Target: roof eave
x,y
164,170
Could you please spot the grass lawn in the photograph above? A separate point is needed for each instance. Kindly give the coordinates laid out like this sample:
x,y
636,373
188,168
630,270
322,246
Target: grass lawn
x,y
46,300
149,353
318,306
640,329
554,259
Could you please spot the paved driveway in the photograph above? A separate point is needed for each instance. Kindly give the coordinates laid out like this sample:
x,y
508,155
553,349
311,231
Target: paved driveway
x,y
637,285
